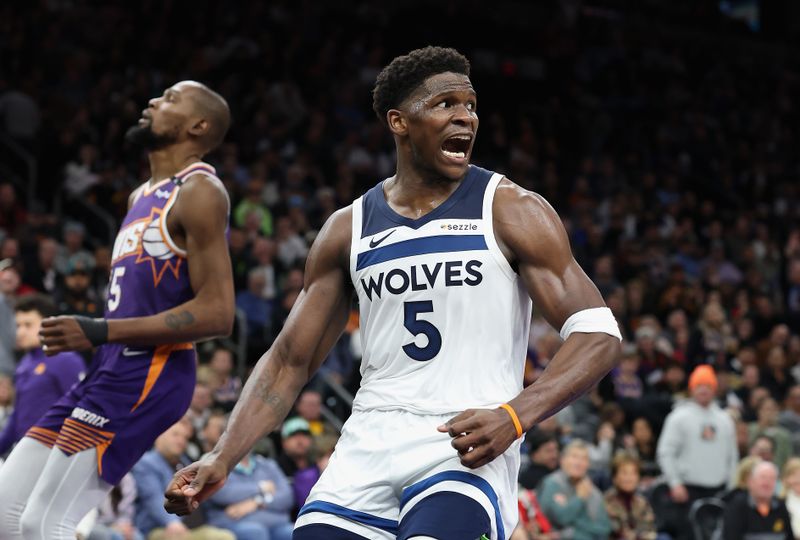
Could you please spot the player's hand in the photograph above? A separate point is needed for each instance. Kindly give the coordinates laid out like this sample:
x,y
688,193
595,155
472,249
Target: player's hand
x,y
480,435
194,484
63,333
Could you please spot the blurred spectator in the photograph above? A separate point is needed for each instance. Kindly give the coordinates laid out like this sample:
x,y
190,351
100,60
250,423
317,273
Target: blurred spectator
x,y
627,384
263,253
12,212
43,274
741,477
643,447
7,324
776,376
40,380
228,385
6,399
80,174
570,501
77,296
767,424
790,478
74,238
533,524
309,407
759,514
762,447
200,406
152,474
212,431
544,456
292,249
321,450
296,444
697,449
255,501
789,418
256,308
630,514
251,208
115,516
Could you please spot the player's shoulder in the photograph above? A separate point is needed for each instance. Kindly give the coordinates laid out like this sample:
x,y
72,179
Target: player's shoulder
x,y
205,185
511,196
333,241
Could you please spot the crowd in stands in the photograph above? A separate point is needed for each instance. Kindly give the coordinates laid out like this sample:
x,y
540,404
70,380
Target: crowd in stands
x,y
671,160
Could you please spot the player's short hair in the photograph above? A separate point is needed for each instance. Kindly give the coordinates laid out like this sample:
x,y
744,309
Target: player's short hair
x,y
405,73
36,302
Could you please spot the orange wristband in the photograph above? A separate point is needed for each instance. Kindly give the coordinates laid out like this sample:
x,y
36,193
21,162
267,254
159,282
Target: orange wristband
x,y
514,418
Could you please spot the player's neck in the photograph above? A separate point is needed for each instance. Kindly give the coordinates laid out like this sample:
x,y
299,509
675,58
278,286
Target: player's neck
x,y
167,162
417,191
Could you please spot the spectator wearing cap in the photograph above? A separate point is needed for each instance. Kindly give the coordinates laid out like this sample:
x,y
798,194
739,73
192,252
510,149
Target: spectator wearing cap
x,y
296,444
74,234
759,515
77,297
40,380
697,451
543,451
321,450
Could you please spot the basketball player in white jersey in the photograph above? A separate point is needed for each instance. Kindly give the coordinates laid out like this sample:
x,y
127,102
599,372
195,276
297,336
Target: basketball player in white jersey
x,y
445,258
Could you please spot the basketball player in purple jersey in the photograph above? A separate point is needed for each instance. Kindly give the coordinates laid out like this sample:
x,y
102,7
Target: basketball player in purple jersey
x,y
170,285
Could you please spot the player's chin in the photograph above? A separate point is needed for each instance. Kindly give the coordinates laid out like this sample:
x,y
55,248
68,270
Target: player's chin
x,y
452,167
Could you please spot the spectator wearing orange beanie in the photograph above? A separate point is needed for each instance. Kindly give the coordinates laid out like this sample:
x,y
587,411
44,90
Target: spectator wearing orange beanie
x,y
697,449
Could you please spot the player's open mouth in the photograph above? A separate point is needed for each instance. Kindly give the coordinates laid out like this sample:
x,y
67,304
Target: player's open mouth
x,y
457,146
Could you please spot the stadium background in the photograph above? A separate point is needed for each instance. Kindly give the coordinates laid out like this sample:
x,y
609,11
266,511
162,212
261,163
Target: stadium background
x,y
664,133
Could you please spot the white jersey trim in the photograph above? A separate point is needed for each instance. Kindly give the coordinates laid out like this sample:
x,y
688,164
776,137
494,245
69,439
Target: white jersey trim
x,y
355,236
491,239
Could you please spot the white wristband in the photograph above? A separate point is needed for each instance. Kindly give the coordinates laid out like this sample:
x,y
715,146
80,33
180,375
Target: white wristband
x,y
591,320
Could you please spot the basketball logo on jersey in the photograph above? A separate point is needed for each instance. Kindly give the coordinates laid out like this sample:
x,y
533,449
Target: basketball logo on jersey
x,y
145,239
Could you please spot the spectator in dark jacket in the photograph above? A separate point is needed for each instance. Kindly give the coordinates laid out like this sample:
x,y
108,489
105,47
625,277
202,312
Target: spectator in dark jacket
x,y
758,515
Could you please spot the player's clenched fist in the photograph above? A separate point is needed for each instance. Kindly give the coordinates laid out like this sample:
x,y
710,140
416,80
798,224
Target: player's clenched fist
x,y
194,484
480,435
59,334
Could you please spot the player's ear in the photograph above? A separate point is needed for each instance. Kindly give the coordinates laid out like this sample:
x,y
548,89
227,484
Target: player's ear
x,y
397,122
199,127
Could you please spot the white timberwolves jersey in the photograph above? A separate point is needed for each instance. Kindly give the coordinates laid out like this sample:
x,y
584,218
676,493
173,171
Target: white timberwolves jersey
x,y
444,318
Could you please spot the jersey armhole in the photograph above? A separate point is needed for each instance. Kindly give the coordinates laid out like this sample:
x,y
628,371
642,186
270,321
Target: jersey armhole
x,y
355,235
162,223
491,240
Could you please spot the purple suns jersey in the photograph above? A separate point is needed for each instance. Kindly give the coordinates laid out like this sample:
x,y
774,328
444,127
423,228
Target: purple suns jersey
x,y
148,271
132,394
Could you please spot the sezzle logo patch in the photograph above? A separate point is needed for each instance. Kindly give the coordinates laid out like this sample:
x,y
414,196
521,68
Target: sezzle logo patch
x,y
459,227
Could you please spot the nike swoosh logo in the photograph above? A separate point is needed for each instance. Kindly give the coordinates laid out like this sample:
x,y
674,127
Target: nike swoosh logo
x,y
375,243
129,352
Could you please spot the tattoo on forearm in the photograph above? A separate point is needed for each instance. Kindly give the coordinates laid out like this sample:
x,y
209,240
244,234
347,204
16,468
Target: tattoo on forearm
x,y
269,397
176,321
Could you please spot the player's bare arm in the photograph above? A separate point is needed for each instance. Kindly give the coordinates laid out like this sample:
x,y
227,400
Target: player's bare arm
x,y
198,220
314,324
532,237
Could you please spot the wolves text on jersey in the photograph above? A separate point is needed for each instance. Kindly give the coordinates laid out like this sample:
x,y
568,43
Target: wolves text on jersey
x,y
424,276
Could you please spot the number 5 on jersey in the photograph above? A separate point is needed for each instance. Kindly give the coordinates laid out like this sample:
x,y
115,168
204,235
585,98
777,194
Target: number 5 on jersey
x,y
420,326
114,290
